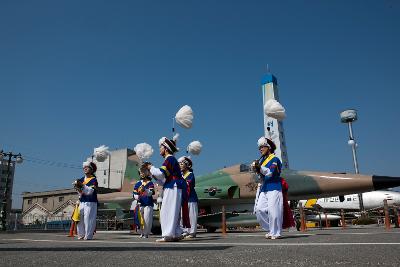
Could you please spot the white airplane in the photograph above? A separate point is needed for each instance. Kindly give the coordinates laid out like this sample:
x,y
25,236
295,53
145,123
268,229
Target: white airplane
x,y
371,200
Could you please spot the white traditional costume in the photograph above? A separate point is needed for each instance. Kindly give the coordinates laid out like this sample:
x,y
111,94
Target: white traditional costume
x,y
174,195
143,192
88,204
269,206
193,200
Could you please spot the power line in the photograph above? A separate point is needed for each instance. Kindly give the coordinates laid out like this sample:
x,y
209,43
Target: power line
x,y
59,164
51,163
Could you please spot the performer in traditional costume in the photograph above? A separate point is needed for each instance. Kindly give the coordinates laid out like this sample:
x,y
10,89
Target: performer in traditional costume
x,y
288,219
186,164
74,220
269,208
143,192
175,193
87,189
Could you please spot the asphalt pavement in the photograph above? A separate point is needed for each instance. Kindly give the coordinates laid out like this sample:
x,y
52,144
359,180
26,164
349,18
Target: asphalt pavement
x,y
366,246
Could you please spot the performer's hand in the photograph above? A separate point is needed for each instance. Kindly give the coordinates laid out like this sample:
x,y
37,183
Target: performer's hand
x,y
144,169
147,165
266,172
78,185
149,192
255,166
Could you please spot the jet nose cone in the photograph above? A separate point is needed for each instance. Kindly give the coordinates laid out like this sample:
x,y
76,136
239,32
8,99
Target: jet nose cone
x,y
384,182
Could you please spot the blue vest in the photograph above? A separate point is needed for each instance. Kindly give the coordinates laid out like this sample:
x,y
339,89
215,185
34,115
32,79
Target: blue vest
x,y
92,183
144,200
172,173
274,182
191,181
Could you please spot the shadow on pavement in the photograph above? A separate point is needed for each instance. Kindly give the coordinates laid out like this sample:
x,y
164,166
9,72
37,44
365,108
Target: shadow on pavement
x,y
149,248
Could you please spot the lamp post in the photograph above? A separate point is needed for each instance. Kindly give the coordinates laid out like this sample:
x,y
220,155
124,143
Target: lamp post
x,y
349,116
3,211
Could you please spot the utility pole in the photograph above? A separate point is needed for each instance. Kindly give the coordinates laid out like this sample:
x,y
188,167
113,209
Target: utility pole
x,y
349,116
3,210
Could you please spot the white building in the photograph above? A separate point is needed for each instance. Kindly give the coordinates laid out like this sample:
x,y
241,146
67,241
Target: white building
x,y
122,165
118,172
48,205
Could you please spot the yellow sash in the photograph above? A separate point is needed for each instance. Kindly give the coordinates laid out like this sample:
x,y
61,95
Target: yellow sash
x,y
87,180
186,175
141,220
270,157
141,187
76,216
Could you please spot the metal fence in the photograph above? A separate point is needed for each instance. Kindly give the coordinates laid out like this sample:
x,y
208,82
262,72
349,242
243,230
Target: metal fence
x,y
15,222
109,221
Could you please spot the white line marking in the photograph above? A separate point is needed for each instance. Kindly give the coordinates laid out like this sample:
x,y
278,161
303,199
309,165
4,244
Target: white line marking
x,y
312,234
262,235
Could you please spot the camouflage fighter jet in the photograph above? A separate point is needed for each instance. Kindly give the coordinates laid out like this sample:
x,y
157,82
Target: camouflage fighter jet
x,y
235,188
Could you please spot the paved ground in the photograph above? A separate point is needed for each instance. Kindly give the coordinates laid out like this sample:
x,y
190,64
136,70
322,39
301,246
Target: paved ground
x,y
351,247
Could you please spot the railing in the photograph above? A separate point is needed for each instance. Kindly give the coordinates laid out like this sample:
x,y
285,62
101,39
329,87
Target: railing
x,y
15,222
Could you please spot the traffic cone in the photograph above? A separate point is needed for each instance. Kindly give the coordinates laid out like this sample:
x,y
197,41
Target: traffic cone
x,y
72,230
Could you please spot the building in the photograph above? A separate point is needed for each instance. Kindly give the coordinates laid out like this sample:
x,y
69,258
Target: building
x,y
273,128
4,175
117,167
55,205
48,205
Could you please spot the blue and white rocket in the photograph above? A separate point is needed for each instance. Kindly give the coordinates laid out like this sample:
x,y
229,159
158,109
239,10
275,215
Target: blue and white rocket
x,y
273,128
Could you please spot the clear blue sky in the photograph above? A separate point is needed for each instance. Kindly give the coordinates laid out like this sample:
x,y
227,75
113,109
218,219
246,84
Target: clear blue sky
x,y
78,74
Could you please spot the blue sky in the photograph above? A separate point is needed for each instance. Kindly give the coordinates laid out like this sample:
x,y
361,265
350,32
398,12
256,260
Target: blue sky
x,y
78,74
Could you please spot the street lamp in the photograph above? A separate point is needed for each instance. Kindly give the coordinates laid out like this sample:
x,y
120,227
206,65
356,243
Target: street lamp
x,y
349,116
3,212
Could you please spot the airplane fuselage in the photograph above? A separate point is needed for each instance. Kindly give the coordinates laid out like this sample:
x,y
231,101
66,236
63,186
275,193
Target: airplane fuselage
x,y
371,200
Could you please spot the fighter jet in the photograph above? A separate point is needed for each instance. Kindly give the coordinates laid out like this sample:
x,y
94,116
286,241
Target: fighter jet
x,y
234,188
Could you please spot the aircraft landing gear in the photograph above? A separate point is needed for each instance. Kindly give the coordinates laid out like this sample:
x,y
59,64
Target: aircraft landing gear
x,y
156,230
211,229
